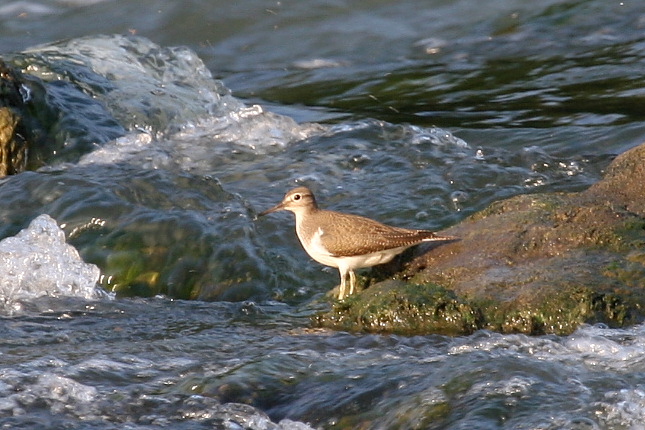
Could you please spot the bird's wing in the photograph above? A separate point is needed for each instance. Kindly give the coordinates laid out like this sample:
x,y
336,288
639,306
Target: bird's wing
x,y
354,235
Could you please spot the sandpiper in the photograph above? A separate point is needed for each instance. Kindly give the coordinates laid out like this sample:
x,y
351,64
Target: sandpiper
x,y
344,241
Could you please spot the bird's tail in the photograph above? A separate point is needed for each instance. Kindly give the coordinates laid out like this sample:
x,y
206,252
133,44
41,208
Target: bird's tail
x,y
439,238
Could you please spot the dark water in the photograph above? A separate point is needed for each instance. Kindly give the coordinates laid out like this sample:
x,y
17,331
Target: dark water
x,y
415,113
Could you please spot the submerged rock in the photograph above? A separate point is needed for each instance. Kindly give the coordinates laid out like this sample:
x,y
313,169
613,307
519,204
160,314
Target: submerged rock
x,y
533,264
13,141
125,141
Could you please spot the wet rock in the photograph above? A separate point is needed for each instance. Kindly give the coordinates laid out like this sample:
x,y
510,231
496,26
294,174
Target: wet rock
x,y
34,129
13,145
395,306
533,264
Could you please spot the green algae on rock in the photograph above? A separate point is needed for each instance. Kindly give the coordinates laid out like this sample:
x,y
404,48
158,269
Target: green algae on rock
x,y
399,307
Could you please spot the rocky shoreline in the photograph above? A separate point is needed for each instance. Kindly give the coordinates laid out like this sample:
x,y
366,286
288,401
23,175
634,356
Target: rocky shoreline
x,y
534,264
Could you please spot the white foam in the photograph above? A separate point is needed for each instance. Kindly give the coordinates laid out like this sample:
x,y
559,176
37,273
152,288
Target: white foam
x,y
623,409
137,146
61,394
199,146
63,389
608,349
38,262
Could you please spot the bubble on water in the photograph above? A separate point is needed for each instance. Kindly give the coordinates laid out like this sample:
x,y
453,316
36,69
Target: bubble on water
x,y
431,45
319,63
458,198
535,180
421,216
571,168
435,136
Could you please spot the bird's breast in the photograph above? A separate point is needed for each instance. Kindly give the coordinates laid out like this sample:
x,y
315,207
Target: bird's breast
x,y
311,240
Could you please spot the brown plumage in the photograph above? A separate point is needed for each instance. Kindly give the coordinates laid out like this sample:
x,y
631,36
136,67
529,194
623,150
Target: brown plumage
x,y
366,235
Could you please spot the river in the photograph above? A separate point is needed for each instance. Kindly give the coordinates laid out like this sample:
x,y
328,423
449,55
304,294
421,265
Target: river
x,y
416,113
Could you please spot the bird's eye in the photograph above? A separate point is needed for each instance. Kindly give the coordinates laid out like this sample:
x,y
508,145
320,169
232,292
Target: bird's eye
x,y
296,196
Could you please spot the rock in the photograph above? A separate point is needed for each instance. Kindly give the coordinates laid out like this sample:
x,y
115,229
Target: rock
x,y
533,264
395,306
13,145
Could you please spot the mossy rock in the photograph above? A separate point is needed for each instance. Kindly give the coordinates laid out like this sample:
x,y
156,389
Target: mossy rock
x,y
409,309
398,307
559,311
534,264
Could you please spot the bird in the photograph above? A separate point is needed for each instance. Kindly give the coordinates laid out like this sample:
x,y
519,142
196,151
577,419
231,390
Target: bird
x,y
346,241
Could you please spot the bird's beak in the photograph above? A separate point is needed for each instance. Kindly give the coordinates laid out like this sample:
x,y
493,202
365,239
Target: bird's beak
x,y
278,207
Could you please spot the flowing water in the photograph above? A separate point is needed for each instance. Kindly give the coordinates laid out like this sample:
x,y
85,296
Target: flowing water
x,y
417,113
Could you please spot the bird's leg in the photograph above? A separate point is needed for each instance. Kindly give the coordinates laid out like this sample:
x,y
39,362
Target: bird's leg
x,y
343,278
352,282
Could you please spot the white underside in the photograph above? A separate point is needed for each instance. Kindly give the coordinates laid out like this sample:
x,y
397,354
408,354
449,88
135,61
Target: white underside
x,y
345,264
319,253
